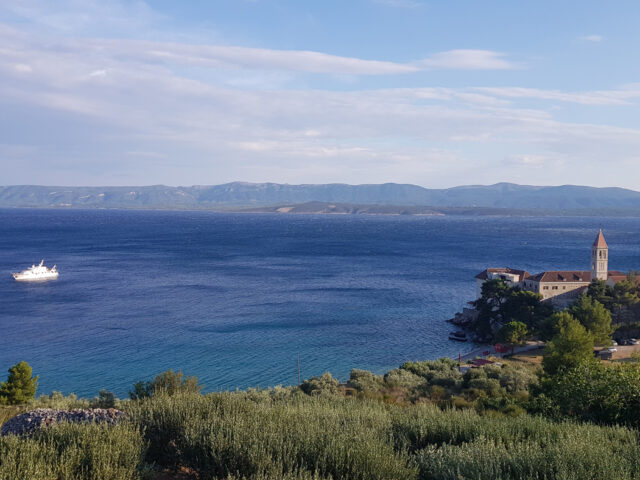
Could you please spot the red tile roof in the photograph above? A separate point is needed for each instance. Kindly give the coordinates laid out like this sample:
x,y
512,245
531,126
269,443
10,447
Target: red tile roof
x,y
572,276
562,276
484,275
616,277
600,242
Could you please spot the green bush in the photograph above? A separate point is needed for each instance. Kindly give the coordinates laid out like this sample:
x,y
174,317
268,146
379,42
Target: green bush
x,y
569,457
8,412
365,381
230,434
596,392
59,401
322,385
166,383
74,452
401,378
282,433
105,399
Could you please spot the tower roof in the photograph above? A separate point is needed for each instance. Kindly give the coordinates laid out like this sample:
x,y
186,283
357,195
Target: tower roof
x,y
599,241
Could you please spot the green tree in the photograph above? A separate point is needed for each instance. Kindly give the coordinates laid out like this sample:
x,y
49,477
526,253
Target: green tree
x,y
594,317
571,345
625,301
600,291
527,307
513,333
494,294
167,383
20,386
597,392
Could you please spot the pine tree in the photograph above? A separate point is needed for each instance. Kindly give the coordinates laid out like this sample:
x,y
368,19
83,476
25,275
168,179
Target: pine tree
x,y
572,344
20,387
594,317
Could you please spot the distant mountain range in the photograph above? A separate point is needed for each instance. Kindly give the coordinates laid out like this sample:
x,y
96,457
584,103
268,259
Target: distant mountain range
x,y
240,195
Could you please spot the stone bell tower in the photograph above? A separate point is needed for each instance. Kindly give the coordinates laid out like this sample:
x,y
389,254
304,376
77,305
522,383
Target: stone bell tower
x,y
599,258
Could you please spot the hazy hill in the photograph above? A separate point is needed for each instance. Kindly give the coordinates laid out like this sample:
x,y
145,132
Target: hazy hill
x,y
240,194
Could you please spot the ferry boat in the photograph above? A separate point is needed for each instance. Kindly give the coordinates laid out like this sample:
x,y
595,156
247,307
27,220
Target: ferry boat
x,y
36,273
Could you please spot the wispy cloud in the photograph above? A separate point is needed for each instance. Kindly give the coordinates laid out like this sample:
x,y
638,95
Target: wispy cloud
x,y
592,38
123,111
467,60
622,96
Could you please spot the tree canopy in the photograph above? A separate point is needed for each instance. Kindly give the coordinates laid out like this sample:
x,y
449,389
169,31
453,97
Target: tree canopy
x,y
594,317
20,386
500,304
571,345
513,333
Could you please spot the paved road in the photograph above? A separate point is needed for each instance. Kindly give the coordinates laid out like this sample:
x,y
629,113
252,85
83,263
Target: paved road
x,y
478,352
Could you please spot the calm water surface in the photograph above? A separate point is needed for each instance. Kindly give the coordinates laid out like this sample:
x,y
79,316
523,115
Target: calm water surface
x,y
234,299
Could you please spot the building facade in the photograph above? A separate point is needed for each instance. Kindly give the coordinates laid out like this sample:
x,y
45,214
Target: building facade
x,y
558,287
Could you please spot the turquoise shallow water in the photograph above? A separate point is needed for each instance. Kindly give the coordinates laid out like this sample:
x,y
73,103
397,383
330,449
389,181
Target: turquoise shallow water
x,y
235,298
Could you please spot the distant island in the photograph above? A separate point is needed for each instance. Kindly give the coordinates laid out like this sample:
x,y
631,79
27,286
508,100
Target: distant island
x,y
388,198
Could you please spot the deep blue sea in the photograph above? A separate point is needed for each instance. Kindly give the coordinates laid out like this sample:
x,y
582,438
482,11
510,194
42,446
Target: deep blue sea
x,y
235,298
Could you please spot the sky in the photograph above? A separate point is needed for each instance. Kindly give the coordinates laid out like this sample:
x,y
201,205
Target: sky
x,y
435,93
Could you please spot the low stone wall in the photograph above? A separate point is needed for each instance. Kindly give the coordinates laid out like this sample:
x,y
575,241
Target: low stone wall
x,y
29,422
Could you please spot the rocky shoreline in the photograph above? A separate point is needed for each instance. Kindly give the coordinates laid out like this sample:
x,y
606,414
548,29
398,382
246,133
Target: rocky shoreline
x,y
29,422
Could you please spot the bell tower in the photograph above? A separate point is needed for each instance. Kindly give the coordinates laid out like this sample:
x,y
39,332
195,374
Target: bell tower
x,y
599,258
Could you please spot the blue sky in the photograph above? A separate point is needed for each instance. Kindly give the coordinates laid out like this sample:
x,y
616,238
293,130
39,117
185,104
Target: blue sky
x,y
436,93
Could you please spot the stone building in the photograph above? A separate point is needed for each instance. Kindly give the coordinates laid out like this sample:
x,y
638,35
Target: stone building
x,y
559,287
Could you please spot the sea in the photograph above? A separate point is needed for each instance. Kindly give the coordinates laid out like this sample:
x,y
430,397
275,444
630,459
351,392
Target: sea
x,y
242,300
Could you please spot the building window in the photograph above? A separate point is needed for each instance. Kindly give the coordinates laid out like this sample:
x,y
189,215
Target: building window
x,y
555,287
545,288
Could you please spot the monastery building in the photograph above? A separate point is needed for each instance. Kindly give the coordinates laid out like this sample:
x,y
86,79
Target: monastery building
x,y
559,287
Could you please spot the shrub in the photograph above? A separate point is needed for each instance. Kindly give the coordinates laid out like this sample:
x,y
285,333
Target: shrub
x,y
430,369
71,452
167,383
105,399
58,401
323,385
401,378
597,392
229,434
365,381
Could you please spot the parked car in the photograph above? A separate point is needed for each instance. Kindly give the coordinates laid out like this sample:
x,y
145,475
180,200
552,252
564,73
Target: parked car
x,y
633,341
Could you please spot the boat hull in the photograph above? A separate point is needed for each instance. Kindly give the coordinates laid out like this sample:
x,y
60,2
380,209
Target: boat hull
x,y
19,277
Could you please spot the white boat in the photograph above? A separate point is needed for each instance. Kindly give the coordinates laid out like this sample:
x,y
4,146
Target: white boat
x,y
36,273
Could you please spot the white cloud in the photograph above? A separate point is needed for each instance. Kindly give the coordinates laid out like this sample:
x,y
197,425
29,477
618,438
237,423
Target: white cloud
x,y
467,60
143,118
83,16
592,38
21,67
622,96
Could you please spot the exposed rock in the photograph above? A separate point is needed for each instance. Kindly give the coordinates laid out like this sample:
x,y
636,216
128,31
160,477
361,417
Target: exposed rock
x,y
464,318
29,422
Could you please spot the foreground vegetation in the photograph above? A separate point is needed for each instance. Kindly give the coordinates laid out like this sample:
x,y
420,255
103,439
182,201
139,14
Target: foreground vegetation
x,y
423,420
284,433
